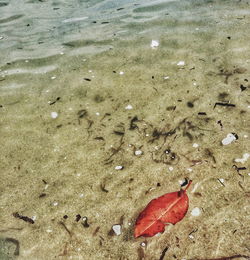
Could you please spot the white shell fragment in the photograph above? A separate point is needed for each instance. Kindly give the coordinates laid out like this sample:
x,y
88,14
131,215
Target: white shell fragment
x,y
181,182
128,107
229,139
154,44
221,180
54,115
196,212
195,145
243,159
138,152
117,229
181,63
118,167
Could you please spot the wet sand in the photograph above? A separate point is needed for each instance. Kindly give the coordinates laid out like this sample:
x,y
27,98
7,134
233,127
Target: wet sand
x,y
161,113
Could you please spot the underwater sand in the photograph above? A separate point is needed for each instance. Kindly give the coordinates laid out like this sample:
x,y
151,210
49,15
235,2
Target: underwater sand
x,y
96,96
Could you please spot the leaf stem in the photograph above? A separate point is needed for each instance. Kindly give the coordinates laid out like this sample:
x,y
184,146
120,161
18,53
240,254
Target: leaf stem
x,y
190,182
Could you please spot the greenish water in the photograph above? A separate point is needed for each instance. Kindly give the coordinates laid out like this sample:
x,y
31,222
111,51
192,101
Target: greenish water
x,y
82,91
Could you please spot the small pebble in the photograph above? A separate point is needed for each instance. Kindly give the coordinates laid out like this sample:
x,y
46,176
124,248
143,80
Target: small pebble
x,y
49,230
195,212
138,152
1,37
54,77
121,72
171,168
166,77
118,167
181,63
189,169
229,139
55,203
81,195
194,83
195,145
117,229
191,236
54,115
128,107
97,113
154,44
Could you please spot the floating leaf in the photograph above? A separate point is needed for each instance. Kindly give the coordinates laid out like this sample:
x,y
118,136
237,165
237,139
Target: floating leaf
x,y
169,208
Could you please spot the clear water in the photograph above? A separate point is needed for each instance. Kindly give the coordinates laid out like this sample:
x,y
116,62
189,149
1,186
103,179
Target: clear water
x,y
82,91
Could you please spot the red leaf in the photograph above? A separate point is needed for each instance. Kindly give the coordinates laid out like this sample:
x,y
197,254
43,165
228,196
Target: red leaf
x,y
169,208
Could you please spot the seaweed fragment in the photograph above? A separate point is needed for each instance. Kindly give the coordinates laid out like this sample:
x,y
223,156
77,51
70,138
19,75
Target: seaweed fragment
x,y
96,230
190,104
65,227
100,138
53,102
82,113
225,104
242,87
239,168
132,125
102,186
164,253
210,154
78,217
114,151
169,108
24,218
220,123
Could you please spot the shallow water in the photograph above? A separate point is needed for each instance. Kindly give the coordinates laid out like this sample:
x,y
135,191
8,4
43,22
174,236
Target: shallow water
x,y
91,62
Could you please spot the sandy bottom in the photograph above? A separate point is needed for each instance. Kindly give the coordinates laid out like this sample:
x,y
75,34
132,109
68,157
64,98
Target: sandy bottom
x,y
159,113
